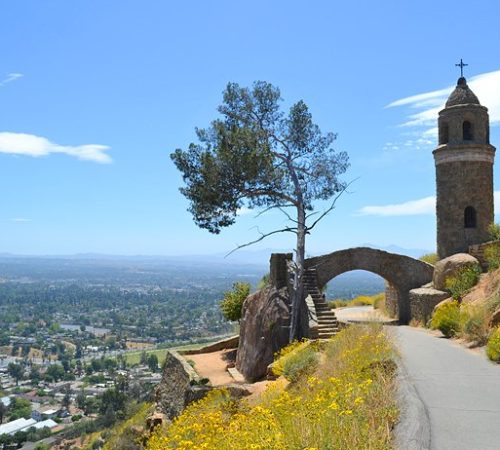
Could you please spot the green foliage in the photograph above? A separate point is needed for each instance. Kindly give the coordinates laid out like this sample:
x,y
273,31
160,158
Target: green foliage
x,y
241,157
296,360
493,346
153,362
16,371
447,318
232,302
338,303
20,407
379,301
494,231
475,324
492,256
464,280
430,258
264,281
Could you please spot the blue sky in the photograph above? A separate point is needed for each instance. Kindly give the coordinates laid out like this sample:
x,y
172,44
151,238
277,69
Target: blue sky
x,y
94,96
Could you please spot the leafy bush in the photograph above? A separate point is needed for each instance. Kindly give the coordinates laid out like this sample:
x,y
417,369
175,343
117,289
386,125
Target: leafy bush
x,y
264,282
475,323
296,360
494,231
492,256
493,346
430,258
379,301
338,304
447,318
232,302
362,300
464,280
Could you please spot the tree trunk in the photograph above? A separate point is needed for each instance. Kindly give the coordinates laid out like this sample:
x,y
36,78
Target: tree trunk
x,y
296,331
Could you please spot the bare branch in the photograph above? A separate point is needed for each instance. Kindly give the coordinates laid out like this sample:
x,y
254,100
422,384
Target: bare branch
x,y
332,206
274,207
262,237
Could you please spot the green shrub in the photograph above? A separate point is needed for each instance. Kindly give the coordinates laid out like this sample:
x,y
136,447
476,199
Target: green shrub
x,y
494,231
493,346
447,318
492,256
339,303
475,323
362,300
379,301
430,258
464,280
232,302
296,361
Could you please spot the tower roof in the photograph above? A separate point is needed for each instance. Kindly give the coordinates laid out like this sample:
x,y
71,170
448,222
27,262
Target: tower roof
x,y
462,95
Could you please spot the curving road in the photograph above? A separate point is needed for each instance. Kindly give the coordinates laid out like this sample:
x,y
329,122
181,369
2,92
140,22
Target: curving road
x,y
459,390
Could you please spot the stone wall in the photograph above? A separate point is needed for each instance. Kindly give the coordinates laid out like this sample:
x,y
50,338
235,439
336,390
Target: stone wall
x,y
179,386
391,300
479,250
461,184
422,302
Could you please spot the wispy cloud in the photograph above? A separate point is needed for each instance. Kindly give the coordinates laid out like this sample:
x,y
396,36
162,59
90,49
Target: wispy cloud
x,y
423,109
244,211
423,206
36,146
20,220
10,78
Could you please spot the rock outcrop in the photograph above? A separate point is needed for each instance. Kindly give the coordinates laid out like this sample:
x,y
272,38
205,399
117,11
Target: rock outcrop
x,y
449,267
264,330
180,385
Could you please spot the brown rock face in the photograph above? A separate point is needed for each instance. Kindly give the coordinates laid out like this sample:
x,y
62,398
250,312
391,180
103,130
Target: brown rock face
x,y
264,331
495,319
450,266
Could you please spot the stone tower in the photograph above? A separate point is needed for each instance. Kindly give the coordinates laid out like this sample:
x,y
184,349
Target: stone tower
x,y
464,173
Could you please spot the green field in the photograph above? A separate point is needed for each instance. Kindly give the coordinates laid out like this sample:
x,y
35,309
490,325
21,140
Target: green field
x,y
135,357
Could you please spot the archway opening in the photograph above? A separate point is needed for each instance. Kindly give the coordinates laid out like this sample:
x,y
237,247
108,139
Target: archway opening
x,y
468,133
470,219
362,288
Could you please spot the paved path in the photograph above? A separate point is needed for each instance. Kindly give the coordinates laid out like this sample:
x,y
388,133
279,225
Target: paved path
x,y
357,314
460,390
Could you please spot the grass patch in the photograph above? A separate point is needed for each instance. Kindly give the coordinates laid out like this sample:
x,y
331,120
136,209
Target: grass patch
x,y
296,360
459,284
347,403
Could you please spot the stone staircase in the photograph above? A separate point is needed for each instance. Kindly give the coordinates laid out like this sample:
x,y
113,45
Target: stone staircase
x,y
327,321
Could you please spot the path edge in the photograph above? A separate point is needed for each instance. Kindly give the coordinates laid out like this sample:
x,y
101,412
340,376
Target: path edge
x,y
413,431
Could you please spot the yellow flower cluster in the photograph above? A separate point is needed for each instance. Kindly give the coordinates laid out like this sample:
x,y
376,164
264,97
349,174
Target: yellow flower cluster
x,y
347,404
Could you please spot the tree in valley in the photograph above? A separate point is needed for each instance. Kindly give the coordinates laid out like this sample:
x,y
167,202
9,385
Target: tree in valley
x,y
257,156
16,371
3,411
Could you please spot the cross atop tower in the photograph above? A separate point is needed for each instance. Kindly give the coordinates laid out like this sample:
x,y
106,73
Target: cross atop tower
x,y
461,65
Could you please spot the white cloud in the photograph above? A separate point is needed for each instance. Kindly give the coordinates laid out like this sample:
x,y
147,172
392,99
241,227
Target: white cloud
x,y
10,78
36,146
423,206
20,220
424,108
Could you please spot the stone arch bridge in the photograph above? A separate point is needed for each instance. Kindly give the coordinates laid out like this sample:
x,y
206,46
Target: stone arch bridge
x,y
401,272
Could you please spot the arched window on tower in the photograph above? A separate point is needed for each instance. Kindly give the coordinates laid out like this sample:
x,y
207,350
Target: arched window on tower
x,y
468,134
443,133
469,217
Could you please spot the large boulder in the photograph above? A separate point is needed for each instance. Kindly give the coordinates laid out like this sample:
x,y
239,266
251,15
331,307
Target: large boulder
x,y
264,330
451,266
